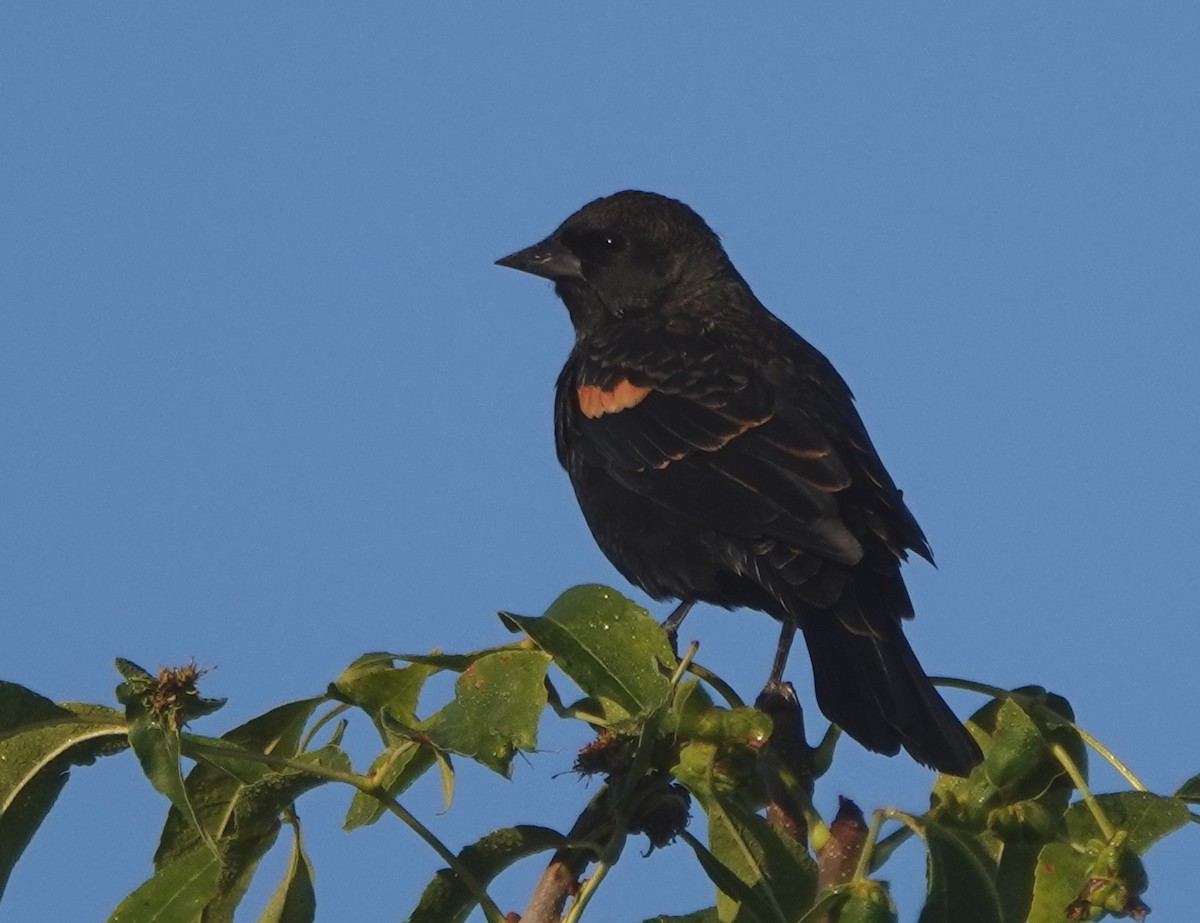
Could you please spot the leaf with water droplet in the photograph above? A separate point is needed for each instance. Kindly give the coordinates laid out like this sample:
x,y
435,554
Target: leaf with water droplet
x,y
608,645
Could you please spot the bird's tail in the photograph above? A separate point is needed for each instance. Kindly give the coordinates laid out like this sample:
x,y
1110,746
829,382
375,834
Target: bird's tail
x,y
869,682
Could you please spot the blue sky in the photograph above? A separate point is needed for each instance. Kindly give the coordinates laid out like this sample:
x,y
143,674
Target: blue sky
x,y
267,403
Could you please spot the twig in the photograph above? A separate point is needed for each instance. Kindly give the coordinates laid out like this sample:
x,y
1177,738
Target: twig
x,y
560,879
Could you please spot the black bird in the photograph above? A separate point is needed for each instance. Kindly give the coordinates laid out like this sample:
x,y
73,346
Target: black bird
x,y
718,457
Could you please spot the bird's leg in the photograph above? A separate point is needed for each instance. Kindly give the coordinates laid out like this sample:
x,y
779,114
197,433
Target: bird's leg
x,y
674,620
786,635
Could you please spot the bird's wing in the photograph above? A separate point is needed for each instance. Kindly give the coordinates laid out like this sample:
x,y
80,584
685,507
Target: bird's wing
x,y
718,440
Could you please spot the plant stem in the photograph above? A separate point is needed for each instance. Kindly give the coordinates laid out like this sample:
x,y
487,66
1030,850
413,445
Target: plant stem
x,y
822,757
610,810
561,876
723,688
954,682
321,722
1116,764
684,662
863,869
869,848
367,786
586,890
888,845
566,711
1091,741
626,798
1064,759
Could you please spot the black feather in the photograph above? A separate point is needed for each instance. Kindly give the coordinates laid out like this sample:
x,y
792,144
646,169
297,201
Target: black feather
x,y
734,468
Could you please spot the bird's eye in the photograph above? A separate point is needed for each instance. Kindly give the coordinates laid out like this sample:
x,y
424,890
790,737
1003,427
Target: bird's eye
x,y
599,245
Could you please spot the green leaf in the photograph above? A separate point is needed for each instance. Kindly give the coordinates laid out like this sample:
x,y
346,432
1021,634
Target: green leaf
x,y
762,856
1061,873
155,709
397,768
445,777
254,825
698,719
1146,817
776,879
447,900
375,685
1015,734
497,703
1090,883
157,747
237,800
611,647
219,780
459,662
707,915
736,900
960,879
1190,791
139,681
727,769
1018,748
1015,878
691,705
1023,822
21,708
295,900
240,857
864,901
39,743
732,728
177,892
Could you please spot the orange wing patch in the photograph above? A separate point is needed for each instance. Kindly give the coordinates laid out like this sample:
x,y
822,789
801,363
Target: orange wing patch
x,y
595,401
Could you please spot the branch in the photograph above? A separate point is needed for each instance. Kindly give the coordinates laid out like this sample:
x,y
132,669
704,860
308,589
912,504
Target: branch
x,y
560,880
787,754
838,859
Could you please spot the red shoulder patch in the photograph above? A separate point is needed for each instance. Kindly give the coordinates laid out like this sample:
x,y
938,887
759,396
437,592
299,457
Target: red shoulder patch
x,y
595,401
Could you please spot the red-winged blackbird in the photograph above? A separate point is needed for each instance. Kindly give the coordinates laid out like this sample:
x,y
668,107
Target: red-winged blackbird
x,y
718,457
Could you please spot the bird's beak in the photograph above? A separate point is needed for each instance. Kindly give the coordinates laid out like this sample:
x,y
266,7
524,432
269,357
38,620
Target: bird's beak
x,y
549,259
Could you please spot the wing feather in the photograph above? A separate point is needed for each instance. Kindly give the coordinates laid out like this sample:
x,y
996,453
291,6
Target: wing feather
x,y
762,451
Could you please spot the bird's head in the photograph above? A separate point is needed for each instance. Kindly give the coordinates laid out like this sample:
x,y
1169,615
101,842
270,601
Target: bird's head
x,y
624,255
